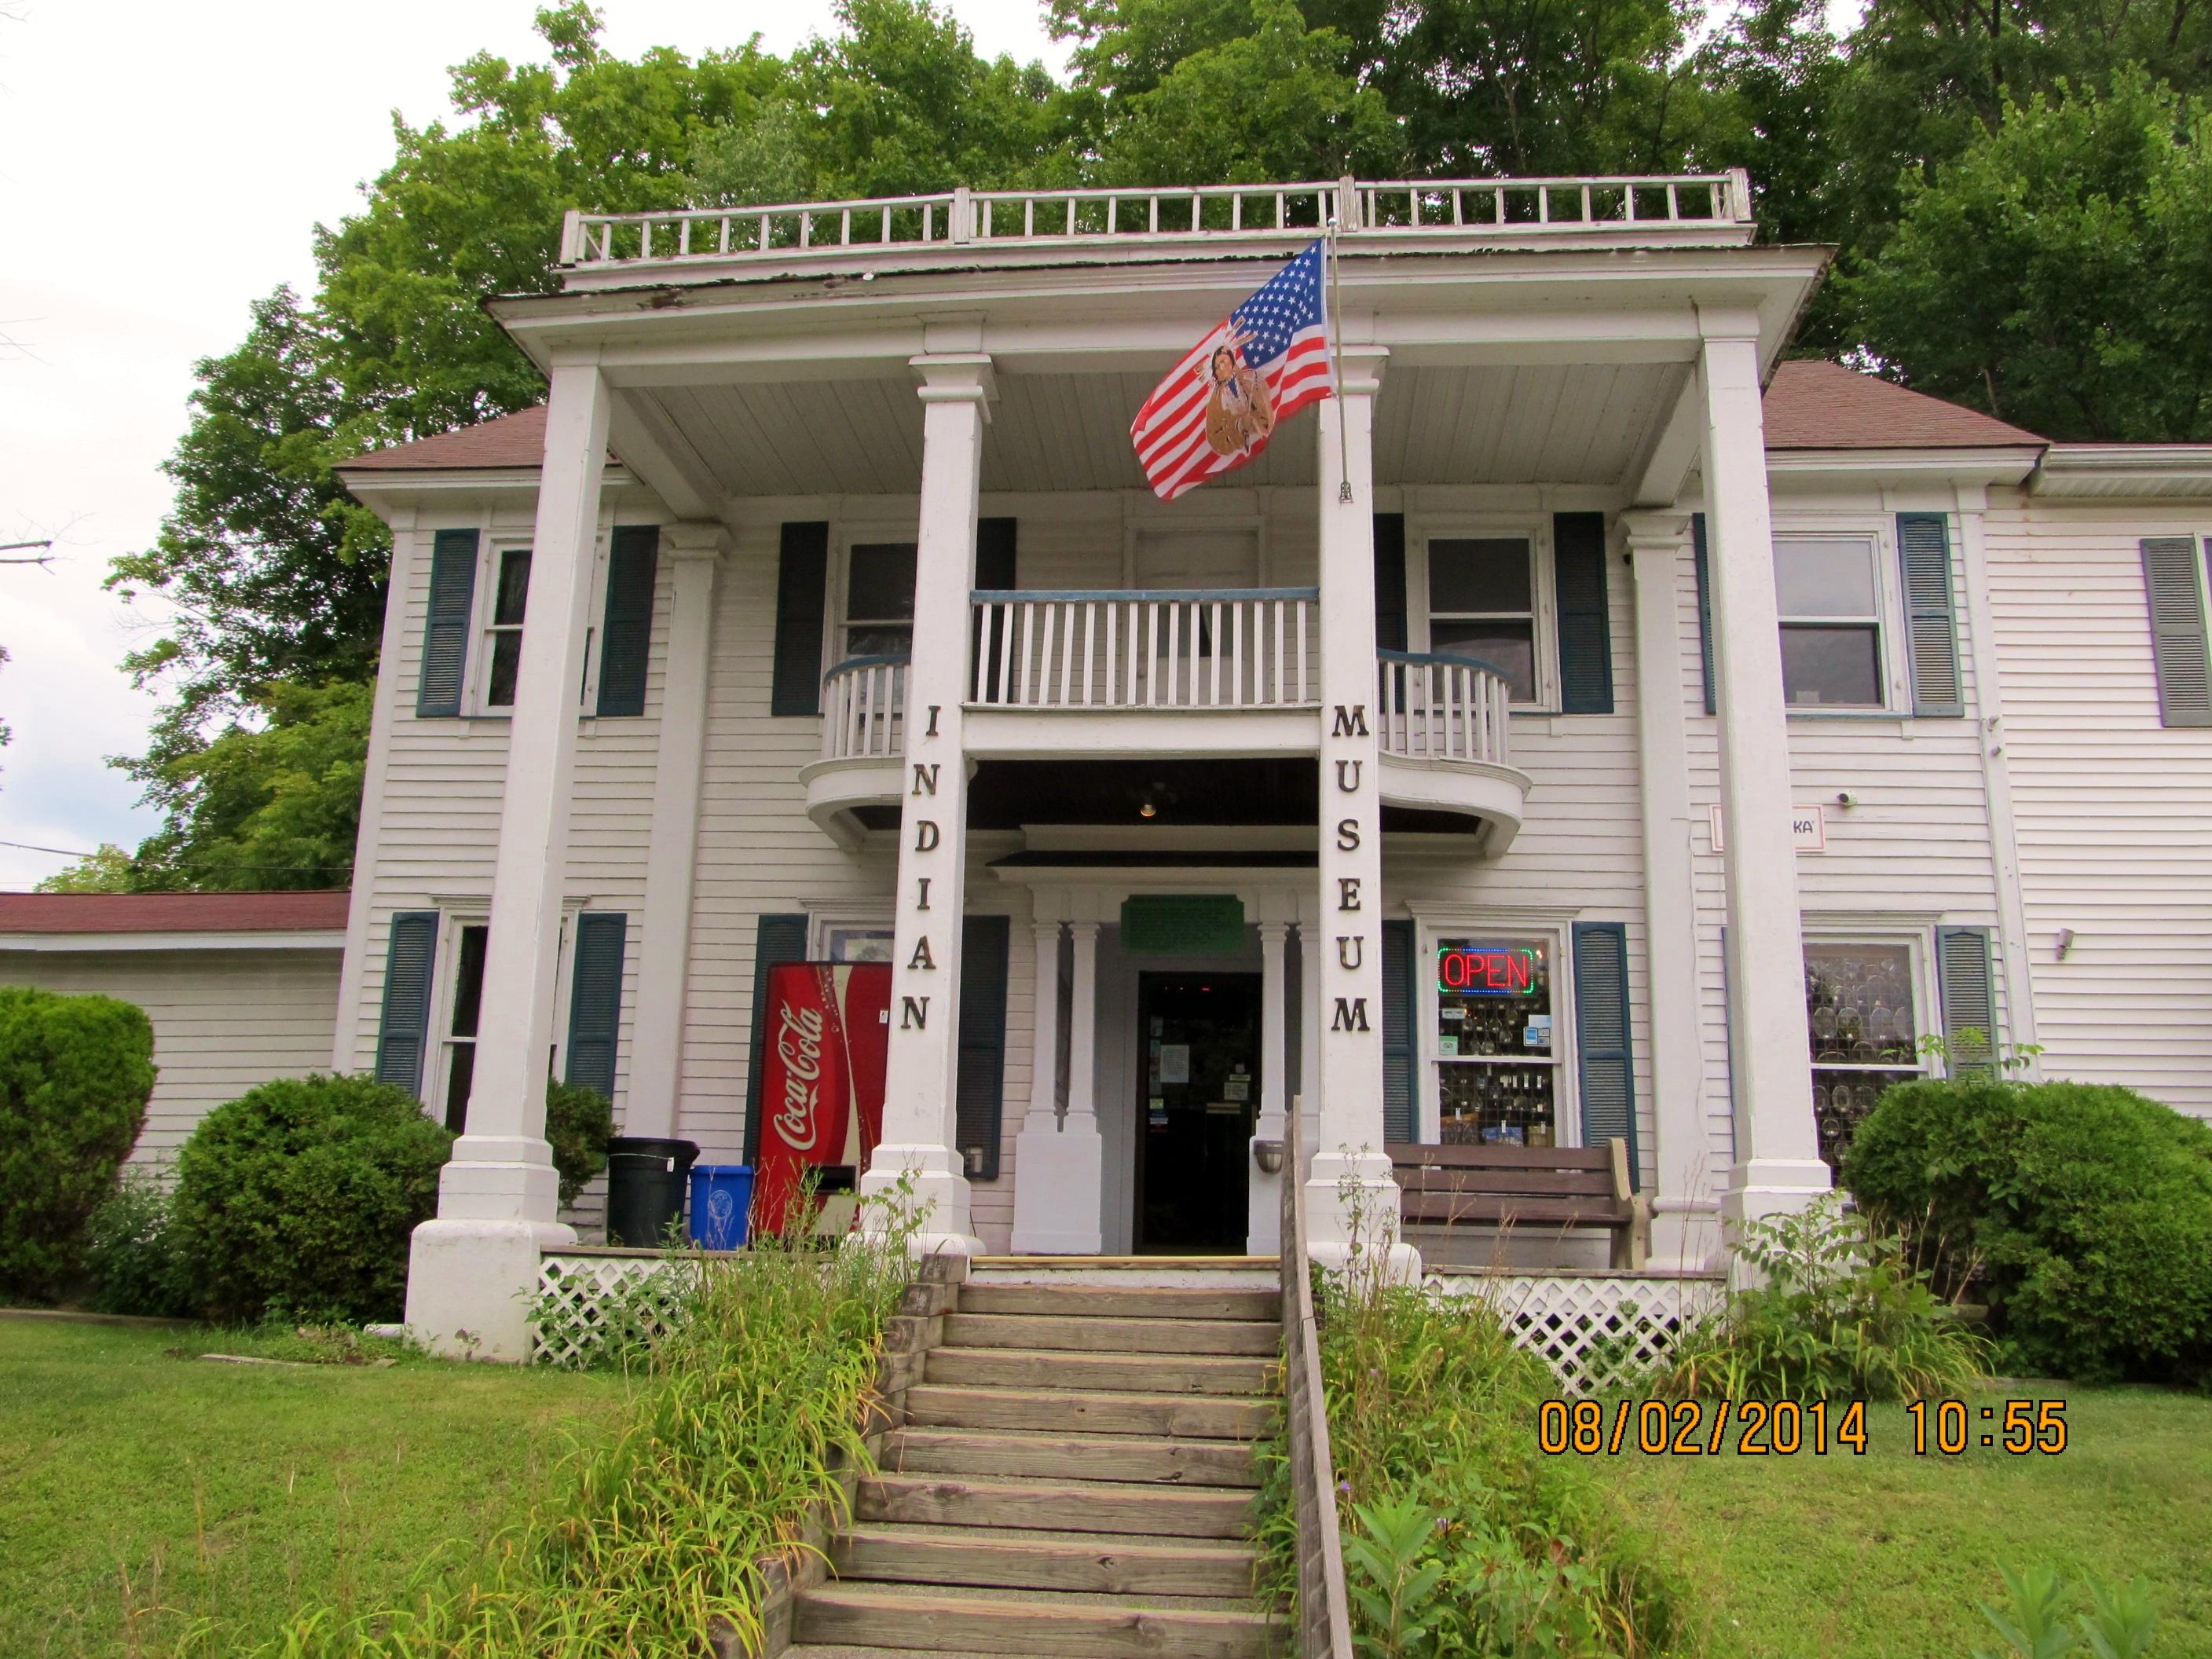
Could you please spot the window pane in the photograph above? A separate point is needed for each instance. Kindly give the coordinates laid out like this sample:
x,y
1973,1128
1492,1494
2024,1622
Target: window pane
x,y
880,587
1488,572
1841,1101
891,642
1858,1005
1824,666
460,1075
1500,1105
1493,997
1508,647
861,944
1827,577
468,981
506,663
513,589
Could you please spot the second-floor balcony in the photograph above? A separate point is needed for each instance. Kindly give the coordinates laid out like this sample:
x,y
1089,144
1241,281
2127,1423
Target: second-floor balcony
x,y
1227,673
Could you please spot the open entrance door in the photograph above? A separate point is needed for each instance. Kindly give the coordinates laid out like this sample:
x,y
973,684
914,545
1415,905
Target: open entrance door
x,y
1198,1070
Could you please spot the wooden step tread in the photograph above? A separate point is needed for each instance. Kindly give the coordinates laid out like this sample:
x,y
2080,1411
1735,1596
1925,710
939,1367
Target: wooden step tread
x,y
1216,1375
1094,1334
1099,1566
1229,1303
971,1622
1243,1548
982,1501
1131,1458
1182,1415
1241,1608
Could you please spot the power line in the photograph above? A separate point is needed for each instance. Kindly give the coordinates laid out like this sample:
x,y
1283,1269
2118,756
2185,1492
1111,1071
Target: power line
x,y
203,869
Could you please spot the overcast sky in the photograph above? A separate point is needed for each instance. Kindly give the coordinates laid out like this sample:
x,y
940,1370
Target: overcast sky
x,y
161,166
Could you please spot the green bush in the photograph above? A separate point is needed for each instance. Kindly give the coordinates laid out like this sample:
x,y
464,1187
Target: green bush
x,y
2080,1214
131,1250
578,1122
298,1198
76,1073
1839,1313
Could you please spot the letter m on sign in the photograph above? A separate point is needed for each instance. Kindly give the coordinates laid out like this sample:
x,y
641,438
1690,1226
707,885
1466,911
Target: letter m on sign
x,y
1350,722
1351,1015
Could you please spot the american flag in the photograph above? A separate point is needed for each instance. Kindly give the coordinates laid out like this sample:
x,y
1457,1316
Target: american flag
x,y
1214,413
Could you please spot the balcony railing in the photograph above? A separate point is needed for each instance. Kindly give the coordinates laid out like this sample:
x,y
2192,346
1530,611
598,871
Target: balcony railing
x,y
1219,649
1659,205
1452,709
864,709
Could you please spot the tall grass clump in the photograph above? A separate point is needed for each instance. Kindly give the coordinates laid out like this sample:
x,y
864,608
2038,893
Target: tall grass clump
x,y
742,1416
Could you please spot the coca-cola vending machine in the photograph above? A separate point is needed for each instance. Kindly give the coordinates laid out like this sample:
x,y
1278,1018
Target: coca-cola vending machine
x,y
822,1079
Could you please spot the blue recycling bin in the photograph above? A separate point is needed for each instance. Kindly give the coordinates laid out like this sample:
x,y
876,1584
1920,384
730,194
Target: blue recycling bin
x,y
722,1200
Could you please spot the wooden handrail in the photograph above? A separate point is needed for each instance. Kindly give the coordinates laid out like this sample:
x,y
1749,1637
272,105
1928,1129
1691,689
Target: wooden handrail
x,y
1324,1608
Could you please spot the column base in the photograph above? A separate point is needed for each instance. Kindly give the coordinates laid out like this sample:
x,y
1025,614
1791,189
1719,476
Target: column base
x,y
1686,1239
1760,1189
497,1178
470,1283
1352,1217
1059,1179
922,1185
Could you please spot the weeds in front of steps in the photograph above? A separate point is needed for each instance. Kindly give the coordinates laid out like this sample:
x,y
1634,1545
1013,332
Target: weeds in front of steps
x,y
1460,1537
742,1414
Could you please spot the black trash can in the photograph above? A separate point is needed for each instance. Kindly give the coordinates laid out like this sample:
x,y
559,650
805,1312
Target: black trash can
x,y
646,1178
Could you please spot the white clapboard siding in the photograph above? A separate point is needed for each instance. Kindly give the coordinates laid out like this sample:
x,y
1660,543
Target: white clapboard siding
x,y
223,1020
2111,807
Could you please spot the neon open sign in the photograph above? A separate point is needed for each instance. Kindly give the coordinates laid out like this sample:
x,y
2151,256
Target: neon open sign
x,y
1488,970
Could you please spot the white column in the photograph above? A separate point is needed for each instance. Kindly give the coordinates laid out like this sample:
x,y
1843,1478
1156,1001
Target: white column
x,y
690,551
1059,1162
1083,1035
1263,1226
1350,1173
919,1130
1777,1164
1682,1161
472,1271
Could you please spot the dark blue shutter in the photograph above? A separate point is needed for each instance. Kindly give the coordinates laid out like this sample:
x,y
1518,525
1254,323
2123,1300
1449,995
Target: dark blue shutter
x,y
1705,605
445,635
1585,631
801,591
595,999
979,1094
1399,1076
777,939
410,960
1390,581
1962,975
2177,631
1606,1067
1931,619
626,631
994,572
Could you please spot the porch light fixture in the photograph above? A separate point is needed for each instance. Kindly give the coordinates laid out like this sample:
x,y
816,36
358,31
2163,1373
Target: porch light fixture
x,y
1148,810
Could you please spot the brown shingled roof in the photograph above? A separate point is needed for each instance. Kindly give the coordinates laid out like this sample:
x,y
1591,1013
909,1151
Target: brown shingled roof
x,y
173,913
509,441
1811,404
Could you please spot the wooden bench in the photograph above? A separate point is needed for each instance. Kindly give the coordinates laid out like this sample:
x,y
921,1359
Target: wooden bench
x,y
1524,1189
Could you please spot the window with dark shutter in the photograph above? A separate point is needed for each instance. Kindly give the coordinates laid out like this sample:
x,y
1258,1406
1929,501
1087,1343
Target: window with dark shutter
x,y
980,1093
446,634
1398,1054
409,959
1970,1015
2176,631
1931,620
777,938
595,999
1585,631
1390,581
626,630
1606,1069
801,594
1705,605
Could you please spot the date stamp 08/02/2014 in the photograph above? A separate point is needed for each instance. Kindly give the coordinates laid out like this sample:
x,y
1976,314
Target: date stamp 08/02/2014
x,y
1785,1428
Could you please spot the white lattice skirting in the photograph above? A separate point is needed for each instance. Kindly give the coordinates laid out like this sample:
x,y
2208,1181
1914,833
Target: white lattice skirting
x,y
588,1304
1590,1328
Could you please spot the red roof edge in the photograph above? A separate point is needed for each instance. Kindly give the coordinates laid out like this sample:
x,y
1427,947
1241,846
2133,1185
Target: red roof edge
x,y
174,913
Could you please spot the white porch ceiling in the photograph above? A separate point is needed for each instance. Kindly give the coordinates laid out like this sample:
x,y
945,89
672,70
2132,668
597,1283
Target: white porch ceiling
x,y
1547,423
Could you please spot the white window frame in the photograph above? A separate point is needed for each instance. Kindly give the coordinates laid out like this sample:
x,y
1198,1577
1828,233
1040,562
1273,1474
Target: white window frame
x,y
445,991
476,684
1888,617
1919,943
1430,932
844,537
822,931
1422,530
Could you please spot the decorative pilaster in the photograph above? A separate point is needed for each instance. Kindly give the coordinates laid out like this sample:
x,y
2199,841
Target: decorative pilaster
x,y
1059,1162
1263,1227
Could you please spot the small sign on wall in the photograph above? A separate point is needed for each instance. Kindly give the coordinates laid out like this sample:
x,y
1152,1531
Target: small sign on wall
x,y
1808,829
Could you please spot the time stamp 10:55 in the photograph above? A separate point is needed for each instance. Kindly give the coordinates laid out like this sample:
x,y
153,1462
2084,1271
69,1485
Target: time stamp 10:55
x,y
1785,1428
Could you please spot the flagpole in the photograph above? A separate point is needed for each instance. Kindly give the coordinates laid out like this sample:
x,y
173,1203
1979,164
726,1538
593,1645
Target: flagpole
x,y
1335,359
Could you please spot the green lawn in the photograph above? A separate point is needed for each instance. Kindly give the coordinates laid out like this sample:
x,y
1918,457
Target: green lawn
x,y
1884,1557
143,1491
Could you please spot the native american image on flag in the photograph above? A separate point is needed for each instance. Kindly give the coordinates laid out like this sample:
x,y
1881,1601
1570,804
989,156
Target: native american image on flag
x,y
1222,403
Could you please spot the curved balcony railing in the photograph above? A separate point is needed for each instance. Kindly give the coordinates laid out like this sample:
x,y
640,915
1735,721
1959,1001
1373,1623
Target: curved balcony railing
x,y
1442,707
1213,648
864,708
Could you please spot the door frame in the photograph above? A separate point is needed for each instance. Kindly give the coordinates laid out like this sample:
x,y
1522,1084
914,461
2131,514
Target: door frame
x,y
1137,1092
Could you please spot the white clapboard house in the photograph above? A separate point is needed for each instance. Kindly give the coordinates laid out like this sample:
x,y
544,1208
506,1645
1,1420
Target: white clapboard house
x,y
1588,728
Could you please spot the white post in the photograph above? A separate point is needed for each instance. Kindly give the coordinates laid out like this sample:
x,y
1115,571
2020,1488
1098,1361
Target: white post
x,y
1681,1164
691,550
1059,1162
919,1139
1263,1227
1083,1039
1350,1173
1777,1164
472,1272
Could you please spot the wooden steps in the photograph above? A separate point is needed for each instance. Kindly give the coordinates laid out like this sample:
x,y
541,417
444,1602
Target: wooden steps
x,y
1073,1479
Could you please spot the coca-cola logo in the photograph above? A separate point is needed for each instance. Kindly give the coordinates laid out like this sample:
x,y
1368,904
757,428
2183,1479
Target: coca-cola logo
x,y
798,1046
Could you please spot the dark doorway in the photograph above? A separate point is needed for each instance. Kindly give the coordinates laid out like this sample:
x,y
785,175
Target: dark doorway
x,y
1198,1094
